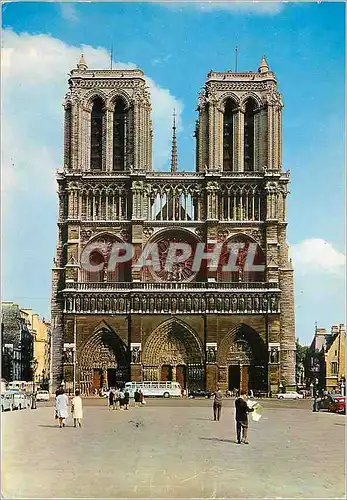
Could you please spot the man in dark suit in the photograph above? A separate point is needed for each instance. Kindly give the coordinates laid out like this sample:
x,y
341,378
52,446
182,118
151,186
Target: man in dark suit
x,y
241,416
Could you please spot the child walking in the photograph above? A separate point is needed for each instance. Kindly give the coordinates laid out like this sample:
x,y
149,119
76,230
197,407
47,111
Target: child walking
x,y
77,409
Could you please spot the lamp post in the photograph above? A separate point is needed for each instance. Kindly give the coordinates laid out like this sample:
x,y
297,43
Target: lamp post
x,y
34,364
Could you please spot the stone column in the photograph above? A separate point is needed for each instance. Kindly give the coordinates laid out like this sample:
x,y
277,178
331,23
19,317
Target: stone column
x,y
109,140
287,341
239,121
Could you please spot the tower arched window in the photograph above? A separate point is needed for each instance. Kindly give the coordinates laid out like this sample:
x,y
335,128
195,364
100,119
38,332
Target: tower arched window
x,y
119,128
96,135
228,135
249,136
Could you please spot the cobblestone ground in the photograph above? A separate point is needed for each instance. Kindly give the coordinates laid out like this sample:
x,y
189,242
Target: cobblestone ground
x,y
171,449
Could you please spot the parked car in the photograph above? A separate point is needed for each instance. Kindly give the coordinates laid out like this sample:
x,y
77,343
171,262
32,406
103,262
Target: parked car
x,y
7,401
20,401
200,394
42,395
290,395
333,402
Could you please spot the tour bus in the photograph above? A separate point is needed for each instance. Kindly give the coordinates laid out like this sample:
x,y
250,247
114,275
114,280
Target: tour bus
x,y
21,385
164,389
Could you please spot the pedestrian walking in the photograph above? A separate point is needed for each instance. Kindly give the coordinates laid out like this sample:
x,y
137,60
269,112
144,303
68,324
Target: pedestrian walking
x,y
142,398
241,417
61,406
77,409
121,400
137,397
116,398
126,399
111,399
217,404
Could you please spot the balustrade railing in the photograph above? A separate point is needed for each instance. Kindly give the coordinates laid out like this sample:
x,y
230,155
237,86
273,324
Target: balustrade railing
x,y
169,285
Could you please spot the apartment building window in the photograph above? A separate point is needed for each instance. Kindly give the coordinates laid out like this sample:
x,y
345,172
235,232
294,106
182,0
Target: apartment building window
x,y
334,369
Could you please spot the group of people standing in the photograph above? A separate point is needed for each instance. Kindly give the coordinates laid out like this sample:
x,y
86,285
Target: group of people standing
x,y
62,407
118,399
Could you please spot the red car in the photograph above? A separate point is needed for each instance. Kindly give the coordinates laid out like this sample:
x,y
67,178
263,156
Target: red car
x,y
339,405
333,402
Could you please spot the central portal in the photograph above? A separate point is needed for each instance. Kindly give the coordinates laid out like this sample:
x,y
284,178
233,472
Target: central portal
x,y
176,352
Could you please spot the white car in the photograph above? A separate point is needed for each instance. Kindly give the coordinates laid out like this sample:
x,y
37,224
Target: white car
x,y
290,395
42,396
20,401
7,401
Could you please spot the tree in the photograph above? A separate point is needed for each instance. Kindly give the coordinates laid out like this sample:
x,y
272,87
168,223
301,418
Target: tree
x,y
302,360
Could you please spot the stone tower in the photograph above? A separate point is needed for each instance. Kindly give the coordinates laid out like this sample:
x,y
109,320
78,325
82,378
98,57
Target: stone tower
x,y
201,328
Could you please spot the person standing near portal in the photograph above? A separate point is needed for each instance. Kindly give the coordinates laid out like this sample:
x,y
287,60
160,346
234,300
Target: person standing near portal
x,y
61,406
217,404
77,409
241,416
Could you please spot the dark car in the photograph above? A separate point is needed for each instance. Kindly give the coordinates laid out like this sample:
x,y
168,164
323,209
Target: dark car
x,y
200,394
333,402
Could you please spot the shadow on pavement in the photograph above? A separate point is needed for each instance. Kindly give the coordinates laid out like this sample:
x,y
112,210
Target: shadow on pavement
x,y
218,439
198,418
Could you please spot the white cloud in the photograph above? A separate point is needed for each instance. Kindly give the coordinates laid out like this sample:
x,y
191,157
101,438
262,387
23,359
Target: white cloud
x,y
316,255
35,70
269,7
69,12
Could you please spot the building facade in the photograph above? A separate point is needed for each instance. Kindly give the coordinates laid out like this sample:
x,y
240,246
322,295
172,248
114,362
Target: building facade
x,y
40,331
17,343
326,359
201,327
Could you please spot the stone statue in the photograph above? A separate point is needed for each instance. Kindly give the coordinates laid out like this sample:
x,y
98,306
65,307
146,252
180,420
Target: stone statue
x,y
234,303
241,303
78,304
121,304
144,304
249,304
211,355
151,304
135,355
265,302
189,304
256,304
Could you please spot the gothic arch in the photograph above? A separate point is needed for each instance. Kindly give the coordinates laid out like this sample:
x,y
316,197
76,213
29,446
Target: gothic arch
x,y
173,342
251,95
102,256
223,99
241,344
91,96
114,96
102,351
242,273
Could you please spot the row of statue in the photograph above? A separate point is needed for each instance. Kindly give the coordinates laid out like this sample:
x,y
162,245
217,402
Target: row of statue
x,y
245,303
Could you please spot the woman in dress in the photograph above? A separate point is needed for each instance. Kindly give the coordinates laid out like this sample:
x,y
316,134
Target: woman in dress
x,y
77,409
61,406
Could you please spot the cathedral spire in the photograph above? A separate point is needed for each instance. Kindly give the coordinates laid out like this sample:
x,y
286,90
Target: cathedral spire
x,y
263,67
82,64
174,146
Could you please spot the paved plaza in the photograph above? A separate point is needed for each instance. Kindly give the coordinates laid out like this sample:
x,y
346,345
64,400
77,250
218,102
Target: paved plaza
x,y
173,449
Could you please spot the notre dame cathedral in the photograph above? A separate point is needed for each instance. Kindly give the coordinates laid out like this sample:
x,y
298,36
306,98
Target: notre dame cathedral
x,y
203,327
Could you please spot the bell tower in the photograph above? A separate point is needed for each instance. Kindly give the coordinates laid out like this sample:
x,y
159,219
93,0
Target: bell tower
x,y
239,123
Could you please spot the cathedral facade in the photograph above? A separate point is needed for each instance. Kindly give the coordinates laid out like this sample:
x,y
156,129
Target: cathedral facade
x,y
202,327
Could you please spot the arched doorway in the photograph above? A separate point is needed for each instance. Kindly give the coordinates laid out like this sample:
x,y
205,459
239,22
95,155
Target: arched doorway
x,y
173,350
244,354
103,361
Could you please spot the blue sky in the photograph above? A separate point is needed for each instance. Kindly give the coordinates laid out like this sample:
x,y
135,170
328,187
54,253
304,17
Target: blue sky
x,y
176,45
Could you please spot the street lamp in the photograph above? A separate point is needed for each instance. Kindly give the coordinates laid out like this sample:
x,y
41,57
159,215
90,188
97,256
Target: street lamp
x,y
34,364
